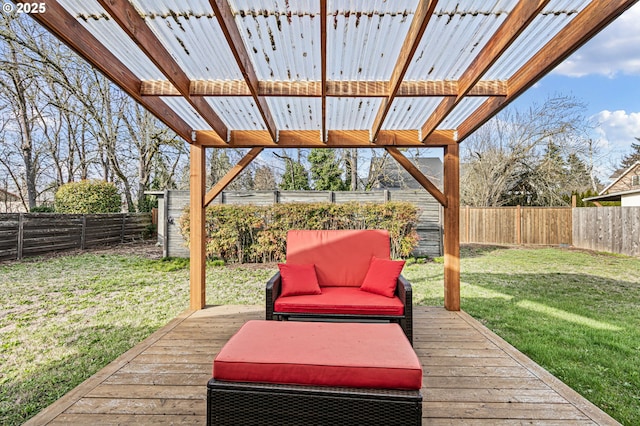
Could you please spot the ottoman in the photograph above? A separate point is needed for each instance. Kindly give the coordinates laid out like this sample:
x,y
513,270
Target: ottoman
x,y
316,373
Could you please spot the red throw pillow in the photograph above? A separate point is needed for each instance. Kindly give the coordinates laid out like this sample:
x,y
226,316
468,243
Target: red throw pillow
x,y
298,279
382,276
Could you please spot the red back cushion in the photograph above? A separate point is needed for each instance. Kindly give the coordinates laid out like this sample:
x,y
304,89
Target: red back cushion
x,y
341,257
382,276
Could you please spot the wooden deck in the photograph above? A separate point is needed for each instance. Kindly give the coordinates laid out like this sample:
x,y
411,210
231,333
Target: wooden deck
x,y
471,377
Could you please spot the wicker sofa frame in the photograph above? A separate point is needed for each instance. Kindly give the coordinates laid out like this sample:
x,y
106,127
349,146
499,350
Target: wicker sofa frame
x,y
265,404
403,291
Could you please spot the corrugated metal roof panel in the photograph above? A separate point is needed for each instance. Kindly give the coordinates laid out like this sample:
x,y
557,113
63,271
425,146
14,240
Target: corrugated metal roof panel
x,y
455,36
351,113
282,6
410,113
364,40
238,113
461,112
296,113
198,45
186,111
92,17
169,8
453,39
284,48
543,28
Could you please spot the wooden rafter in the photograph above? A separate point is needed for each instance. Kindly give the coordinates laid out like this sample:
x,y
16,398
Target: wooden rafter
x,y
417,175
231,32
521,16
421,18
323,67
64,26
313,89
231,175
597,15
336,139
134,25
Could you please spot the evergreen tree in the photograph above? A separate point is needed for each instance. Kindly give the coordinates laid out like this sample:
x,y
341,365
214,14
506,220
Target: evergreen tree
x,y
295,177
630,159
325,170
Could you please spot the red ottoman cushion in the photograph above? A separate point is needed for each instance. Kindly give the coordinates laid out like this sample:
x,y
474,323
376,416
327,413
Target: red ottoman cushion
x,y
320,354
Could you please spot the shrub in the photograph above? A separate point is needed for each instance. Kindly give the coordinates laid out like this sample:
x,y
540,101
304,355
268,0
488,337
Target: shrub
x,y
43,209
248,233
87,197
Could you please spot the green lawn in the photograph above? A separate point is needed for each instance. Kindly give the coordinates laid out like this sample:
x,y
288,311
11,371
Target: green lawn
x,y
575,313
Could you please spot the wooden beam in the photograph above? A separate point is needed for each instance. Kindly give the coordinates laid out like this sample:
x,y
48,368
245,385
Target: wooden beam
x,y
323,67
520,17
60,23
419,23
231,175
452,228
313,89
197,233
231,32
417,175
123,12
336,139
597,15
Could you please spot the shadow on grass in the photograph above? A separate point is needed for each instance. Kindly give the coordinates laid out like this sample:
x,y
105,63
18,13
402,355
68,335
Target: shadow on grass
x,y
471,250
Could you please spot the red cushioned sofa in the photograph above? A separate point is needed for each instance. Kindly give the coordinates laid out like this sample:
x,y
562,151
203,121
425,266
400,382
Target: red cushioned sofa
x,y
352,268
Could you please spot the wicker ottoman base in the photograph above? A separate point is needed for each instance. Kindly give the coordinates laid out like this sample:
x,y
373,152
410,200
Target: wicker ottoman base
x,y
264,404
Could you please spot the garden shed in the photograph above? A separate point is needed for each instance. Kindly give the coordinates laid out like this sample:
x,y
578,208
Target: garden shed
x,y
326,74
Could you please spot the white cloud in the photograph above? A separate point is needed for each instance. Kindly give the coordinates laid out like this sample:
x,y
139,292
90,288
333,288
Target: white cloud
x,y
617,130
616,50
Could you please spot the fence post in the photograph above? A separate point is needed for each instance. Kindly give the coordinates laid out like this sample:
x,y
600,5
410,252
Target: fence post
x,y
20,235
467,218
518,224
83,233
124,218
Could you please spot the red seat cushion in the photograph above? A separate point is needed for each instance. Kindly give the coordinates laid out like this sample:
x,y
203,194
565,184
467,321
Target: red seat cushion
x,y
341,257
341,300
320,354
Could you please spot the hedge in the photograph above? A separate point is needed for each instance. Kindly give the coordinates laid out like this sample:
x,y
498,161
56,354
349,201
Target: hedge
x,y
88,197
257,234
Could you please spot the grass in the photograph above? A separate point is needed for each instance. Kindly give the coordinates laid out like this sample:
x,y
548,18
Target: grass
x,y
575,313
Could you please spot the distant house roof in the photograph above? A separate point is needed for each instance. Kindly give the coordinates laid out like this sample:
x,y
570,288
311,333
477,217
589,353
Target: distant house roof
x,y
394,176
8,196
614,196
619,178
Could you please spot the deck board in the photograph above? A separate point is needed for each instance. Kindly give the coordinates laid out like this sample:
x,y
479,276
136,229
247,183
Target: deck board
x,y
471,377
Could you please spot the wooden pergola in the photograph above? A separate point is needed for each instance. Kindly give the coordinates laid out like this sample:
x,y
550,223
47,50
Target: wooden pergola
x,y
326,74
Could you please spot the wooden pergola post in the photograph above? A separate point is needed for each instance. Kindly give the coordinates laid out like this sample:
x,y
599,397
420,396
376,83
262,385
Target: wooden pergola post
x,y
197,241
452,228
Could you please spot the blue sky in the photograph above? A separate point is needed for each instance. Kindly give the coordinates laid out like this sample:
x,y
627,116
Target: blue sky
x,y
605,75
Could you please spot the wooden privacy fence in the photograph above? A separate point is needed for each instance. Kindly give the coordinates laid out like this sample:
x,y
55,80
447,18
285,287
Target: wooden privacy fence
x,y
516,225
611,229
429,225
32,234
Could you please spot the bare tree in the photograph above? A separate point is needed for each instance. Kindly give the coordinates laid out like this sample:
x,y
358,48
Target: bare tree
x,y
504,161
